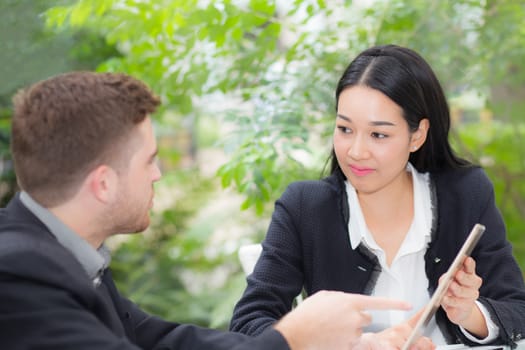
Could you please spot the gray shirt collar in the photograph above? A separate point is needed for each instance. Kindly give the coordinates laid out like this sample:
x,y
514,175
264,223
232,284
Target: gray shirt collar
x,y
93,261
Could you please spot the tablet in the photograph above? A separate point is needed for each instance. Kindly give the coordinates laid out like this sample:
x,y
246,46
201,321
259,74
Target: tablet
x,y
437,297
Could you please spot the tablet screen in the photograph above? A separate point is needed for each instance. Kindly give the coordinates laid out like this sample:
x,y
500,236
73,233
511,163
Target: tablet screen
x,y
435,300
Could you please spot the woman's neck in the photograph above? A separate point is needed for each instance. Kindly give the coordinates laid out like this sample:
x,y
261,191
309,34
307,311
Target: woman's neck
x,y
389,213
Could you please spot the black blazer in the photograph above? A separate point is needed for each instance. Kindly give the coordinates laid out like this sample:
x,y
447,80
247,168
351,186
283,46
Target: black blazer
x,y
307,246
47,301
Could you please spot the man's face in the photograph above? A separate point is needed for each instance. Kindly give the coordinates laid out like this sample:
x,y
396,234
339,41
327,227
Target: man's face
x,y
130,212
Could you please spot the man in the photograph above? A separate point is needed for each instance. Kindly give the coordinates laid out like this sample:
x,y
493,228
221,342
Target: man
x,y
85,158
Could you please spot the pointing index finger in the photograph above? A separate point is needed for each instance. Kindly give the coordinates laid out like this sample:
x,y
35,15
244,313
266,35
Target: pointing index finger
x,y
367,302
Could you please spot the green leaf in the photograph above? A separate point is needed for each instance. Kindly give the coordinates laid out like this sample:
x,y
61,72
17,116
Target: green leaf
x,y
80,13
263,6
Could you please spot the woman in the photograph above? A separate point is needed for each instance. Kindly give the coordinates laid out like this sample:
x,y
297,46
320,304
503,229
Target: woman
x,y
391,216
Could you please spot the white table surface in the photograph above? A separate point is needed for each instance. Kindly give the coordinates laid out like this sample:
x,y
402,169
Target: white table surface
x,y
521,346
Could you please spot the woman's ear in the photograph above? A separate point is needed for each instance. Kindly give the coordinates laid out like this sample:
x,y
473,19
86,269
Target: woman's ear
x,y
418,137
103,183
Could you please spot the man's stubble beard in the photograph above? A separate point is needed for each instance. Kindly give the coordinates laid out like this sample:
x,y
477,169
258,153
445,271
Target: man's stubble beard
x,y
125,217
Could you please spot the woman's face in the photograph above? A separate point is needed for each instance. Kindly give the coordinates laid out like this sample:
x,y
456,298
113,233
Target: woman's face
x,y
372,140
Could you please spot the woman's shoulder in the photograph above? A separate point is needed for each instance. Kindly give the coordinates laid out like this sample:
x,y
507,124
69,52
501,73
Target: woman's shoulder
x,y
314,198
330,184
321,190
466,177
470,184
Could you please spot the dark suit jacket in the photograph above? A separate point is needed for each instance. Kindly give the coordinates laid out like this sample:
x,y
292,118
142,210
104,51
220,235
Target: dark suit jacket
x,y
47,301
307,246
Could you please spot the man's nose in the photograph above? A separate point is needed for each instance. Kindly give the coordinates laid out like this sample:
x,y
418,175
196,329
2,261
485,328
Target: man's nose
x,y
157,173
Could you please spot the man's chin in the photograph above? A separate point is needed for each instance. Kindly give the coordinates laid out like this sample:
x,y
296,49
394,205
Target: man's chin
x,y
138,228
141,228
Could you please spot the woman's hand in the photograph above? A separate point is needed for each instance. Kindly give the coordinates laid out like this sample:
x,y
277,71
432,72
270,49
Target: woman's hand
x,y
394,338
460,300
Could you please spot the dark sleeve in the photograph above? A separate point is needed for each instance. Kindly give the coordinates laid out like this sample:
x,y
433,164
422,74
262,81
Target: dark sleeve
x,y
151,332
43,307
503,289
189,337
38,313
278,275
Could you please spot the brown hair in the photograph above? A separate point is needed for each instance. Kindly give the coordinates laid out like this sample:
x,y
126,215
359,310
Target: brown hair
x,y
65,126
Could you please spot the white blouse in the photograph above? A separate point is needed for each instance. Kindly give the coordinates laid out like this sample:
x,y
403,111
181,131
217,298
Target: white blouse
x,y
405,278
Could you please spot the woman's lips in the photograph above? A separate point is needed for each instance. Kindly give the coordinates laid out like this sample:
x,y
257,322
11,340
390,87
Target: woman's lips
x,y
360,171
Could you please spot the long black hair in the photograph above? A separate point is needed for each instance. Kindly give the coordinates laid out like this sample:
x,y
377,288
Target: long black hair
x,y
408,80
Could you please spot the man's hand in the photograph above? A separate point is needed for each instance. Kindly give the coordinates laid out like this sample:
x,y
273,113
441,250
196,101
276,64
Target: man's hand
x,y
331,320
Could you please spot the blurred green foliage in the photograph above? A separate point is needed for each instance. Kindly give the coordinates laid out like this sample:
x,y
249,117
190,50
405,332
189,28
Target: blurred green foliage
x,y
500,148
30,51
153,268
269,69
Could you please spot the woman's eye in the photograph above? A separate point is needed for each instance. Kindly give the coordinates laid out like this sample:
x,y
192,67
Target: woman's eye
x,y
379,135
344,129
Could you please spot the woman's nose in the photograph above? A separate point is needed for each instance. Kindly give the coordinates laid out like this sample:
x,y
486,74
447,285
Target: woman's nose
x,y
358,149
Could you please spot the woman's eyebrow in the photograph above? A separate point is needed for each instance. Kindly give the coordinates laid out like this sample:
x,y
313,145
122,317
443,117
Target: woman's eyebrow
x,y
374,123
344,118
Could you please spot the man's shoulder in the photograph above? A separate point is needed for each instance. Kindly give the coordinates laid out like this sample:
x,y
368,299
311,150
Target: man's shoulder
x,y
20,231
27,251
17,239
15,216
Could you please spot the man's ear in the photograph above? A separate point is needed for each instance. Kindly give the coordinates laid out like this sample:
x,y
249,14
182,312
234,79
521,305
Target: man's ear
x,y
102,183
418,137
